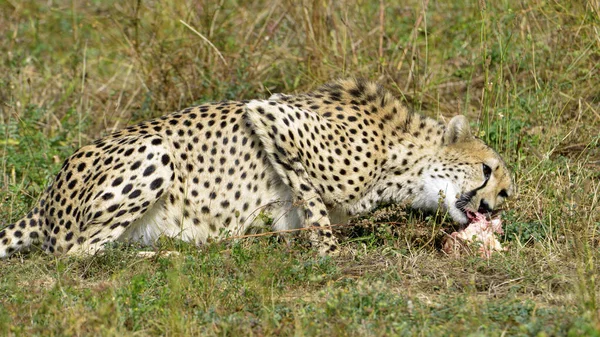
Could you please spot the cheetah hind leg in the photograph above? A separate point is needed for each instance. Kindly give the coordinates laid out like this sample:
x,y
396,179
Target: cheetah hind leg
x,y
121,199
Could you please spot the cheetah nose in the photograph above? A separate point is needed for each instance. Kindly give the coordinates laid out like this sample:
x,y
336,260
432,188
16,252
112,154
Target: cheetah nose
x,y
484,207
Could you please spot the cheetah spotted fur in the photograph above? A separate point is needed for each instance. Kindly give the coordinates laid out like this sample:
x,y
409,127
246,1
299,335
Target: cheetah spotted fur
x,y
216,169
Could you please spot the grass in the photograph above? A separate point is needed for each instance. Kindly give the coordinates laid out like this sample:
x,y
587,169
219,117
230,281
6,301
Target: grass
x,y
524,72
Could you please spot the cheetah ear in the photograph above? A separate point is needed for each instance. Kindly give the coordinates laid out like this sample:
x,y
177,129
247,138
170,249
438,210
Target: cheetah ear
x,y
458,130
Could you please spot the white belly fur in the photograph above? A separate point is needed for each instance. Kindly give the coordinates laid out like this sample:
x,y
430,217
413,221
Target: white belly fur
x,y
154,223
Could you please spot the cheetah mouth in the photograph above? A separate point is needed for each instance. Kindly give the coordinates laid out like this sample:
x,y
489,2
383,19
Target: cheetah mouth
x,y
463,205
470,214
475,216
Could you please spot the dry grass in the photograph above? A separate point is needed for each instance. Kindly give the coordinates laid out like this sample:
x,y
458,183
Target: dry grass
x,y
525,72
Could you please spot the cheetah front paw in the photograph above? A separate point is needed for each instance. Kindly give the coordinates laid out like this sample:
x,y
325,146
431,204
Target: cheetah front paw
x,y
329,248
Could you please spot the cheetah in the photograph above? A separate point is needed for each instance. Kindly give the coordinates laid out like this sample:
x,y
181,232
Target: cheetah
x,y
216,169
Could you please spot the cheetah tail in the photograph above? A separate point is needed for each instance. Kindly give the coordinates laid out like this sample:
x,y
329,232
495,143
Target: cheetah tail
x,y
22,234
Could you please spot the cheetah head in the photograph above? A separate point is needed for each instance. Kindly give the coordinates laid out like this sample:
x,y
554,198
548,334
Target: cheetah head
x,y
469,178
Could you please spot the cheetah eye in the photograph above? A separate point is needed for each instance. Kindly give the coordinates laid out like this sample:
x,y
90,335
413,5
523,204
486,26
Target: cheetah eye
x,y
487,171
503,194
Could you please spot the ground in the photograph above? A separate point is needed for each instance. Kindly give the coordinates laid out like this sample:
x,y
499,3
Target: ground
x,y
524,73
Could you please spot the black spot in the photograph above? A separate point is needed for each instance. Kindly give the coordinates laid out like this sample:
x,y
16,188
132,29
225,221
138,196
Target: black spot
x,y
135,194
72,184
127,188
355,92
156,183
117,182
149,170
